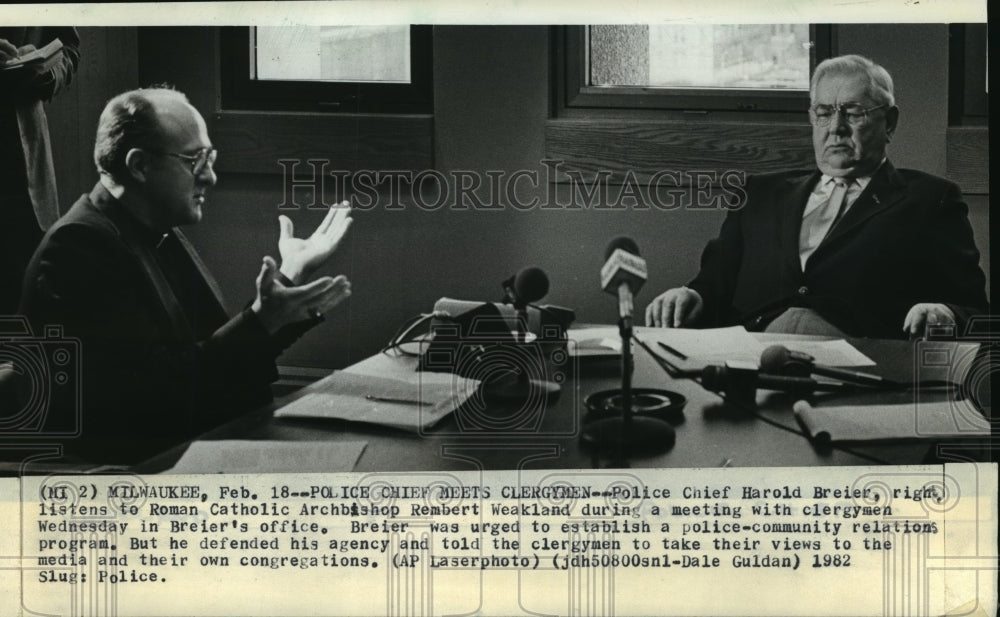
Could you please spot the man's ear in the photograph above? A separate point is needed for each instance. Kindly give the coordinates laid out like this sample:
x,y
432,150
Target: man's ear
x,y
891,121
137,164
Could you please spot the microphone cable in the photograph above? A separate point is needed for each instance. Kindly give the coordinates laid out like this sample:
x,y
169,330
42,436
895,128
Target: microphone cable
x,y
404,332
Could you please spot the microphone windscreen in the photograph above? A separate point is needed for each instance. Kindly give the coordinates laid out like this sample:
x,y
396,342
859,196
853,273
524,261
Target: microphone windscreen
x,y
531,284
621,242
774,359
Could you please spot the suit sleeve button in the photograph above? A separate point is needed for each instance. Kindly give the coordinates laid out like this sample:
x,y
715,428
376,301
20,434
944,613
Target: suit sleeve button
x,y
803,290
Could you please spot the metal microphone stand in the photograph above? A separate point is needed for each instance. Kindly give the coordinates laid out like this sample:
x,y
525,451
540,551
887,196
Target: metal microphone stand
x,y
628,433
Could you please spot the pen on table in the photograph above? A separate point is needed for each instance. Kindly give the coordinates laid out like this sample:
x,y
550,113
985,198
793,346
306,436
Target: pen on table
x,y
389,399
672,350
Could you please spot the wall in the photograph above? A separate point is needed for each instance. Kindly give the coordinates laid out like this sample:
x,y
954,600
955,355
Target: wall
x,y
108,65
491,87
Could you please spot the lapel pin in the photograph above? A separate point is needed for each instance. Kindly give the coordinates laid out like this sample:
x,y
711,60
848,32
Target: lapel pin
x,y
875,199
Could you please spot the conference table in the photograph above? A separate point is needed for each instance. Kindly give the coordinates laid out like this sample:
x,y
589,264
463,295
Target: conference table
x,y
713,432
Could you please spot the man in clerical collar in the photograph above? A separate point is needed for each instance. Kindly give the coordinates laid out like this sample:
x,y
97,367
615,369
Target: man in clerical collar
x,y
855,247
161,360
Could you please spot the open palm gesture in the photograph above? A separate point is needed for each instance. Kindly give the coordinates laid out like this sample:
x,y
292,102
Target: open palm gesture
x,y
301,256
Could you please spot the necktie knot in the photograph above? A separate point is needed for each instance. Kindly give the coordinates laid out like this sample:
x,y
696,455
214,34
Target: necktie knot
x,y
818,222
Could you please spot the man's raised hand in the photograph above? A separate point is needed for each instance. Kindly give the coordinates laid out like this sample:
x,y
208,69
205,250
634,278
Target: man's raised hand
x,y
277,305
300,257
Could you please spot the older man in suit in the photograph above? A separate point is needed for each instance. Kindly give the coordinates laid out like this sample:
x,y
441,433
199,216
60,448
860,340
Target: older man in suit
x,y
161,359
855,248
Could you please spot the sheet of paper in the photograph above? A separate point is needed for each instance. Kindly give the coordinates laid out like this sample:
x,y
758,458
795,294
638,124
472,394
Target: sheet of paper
x,y
691,350
588,342
923,420
245,456
419,400
831,353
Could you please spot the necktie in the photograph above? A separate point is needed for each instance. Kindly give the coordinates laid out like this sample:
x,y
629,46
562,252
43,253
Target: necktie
x,y
818,223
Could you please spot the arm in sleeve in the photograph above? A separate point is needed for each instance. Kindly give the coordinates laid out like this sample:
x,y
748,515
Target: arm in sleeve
x,y
36,85
89,283
720,264
957,279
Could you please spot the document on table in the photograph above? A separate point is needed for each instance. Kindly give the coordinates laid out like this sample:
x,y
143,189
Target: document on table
x,y
246,456
689,350
910,421
831,353
410,400
591,342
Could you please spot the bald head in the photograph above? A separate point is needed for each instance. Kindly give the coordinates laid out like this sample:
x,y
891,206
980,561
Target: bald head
x,y
155,156
144,118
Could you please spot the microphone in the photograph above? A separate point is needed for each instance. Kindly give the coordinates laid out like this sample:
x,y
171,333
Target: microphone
x,y
779,360
623,273
719,378
527,286
738,382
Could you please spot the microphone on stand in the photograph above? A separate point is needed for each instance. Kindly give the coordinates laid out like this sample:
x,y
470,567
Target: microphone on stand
x,y
521,379
622,275
527,286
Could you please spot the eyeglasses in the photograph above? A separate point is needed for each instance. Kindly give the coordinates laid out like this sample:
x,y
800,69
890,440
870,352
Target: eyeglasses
x,y
198,161
856,115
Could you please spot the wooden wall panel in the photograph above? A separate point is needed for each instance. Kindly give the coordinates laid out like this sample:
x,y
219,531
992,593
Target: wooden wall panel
x,y
108,66
645,148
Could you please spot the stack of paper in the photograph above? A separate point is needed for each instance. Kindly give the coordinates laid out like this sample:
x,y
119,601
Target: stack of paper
x,y
920,420
689,351
414,402
244,456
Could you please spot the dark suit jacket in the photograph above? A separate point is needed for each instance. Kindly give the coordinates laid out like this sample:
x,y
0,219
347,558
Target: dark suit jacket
x,y
906,240
161,360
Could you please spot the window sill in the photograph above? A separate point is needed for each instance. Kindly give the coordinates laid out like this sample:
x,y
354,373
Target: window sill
x,y
253,141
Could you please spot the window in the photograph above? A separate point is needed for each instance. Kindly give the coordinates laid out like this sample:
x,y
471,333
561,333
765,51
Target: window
x,y
347,69
737,67
968,97
968,108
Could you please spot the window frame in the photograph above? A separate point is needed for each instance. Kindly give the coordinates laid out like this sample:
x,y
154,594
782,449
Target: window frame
x,y
238,91
968,105
574,93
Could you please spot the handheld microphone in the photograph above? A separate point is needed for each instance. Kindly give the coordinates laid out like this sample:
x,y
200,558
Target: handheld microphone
x,y
739,382
779,360
719,378
623,273
527,286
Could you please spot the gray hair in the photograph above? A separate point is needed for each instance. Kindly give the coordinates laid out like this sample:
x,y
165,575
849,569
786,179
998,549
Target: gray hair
x,y
879,80
128,121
